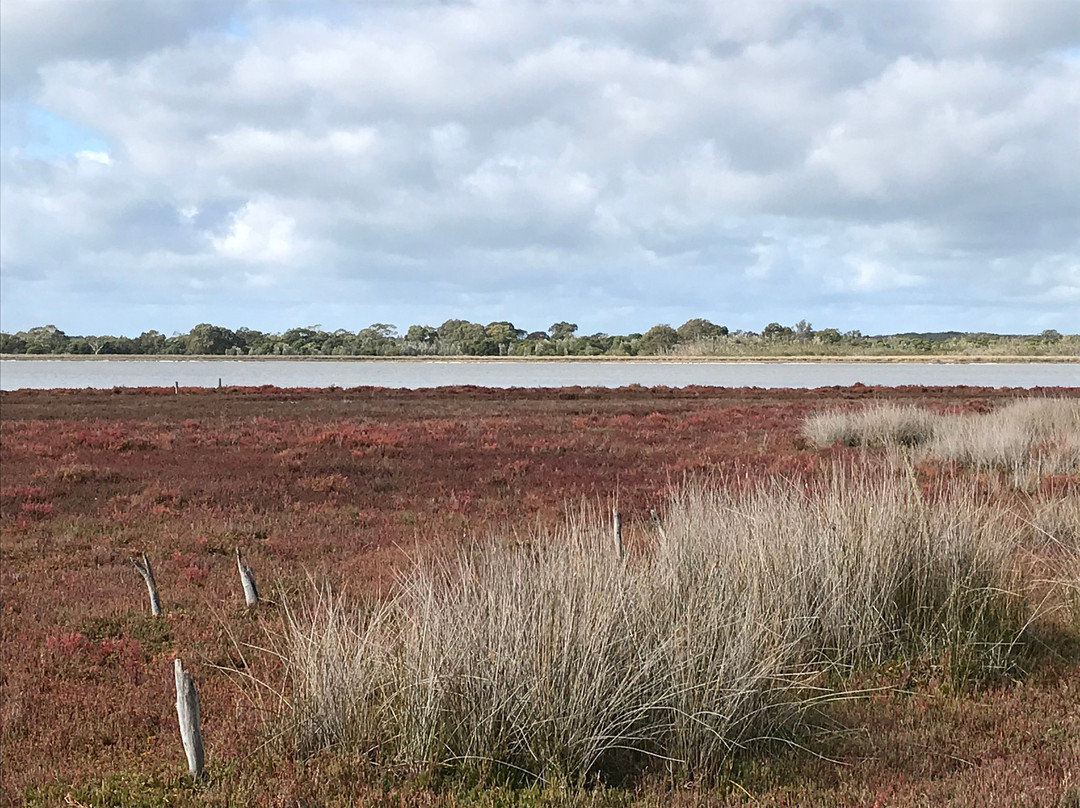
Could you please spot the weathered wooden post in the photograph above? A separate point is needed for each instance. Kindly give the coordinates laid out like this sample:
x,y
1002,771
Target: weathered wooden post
x,y
219,383
147,572
616,520
247,579
187,712
176,387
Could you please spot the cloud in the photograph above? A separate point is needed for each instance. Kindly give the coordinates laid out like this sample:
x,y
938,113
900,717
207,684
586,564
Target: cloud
x,y
36,33
259,233
617,164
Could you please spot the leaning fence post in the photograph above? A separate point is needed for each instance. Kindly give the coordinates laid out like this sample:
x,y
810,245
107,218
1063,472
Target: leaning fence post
x,y
187,712
616,520
247,578
147,572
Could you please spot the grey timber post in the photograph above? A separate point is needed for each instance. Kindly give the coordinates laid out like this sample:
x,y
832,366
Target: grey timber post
x,y
147,572
187,712
616,521
247,579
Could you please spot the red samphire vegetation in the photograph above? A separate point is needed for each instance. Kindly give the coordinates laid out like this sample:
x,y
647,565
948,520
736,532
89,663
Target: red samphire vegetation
x,y
342,487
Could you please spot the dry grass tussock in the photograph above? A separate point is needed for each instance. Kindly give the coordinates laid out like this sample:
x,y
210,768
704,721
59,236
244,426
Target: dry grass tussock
x,y
1056,523
555,658
1028,436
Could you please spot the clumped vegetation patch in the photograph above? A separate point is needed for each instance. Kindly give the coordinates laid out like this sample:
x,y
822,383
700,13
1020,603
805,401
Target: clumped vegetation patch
x,y
558,658
1032,436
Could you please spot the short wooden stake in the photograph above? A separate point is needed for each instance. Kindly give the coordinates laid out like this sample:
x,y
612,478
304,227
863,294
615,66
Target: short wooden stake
x,y
616,519
176,387
187,712
247,579
147,572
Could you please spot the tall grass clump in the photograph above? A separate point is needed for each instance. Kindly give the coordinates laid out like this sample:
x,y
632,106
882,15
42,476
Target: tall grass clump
x,y
556,659
868,568
1056,523
878,425
1031,436
338,663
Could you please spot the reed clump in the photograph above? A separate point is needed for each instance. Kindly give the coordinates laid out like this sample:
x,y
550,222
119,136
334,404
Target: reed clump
x,y
1031,436
878,425
556,659
1055,523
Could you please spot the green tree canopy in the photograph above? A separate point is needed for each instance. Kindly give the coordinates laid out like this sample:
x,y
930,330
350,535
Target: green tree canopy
x,y
658,339
211,339
777,333
44,339
699,328
424,334
562,330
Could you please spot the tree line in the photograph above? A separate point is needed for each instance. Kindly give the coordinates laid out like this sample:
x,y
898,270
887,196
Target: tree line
x,y
454,337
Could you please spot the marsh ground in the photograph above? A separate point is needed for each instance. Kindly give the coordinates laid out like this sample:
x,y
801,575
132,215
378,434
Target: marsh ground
x,y
344,487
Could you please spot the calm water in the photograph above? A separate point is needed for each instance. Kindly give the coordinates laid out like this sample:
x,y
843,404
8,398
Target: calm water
x,y
45,374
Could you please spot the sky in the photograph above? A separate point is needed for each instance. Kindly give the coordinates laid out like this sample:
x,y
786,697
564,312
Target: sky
x,y
873,165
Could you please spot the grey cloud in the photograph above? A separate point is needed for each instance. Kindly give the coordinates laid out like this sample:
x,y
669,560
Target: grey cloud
x,y
755,156
35,33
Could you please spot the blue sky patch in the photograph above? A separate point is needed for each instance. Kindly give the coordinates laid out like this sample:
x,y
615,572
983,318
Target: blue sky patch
x,y
48,136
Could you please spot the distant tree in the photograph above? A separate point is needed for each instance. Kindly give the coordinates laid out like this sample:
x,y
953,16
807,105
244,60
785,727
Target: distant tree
x,y
376,340
45,339
175,345
658,339
79,346
535,343
828,336
150,342
595,344
504,334
699,328
1051,335
384,330
562,330
110,345
211,339
122,345
253,342
302,341
424,334
12,344
804,332
107,344
775,332
341,342
462,336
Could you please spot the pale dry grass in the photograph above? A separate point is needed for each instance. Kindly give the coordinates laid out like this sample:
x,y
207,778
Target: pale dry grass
x,y
556,658
1055,524
1040,436
876,425
1029,437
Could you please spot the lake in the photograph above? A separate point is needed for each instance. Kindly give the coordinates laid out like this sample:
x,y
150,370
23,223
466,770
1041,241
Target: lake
x,y
98,373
